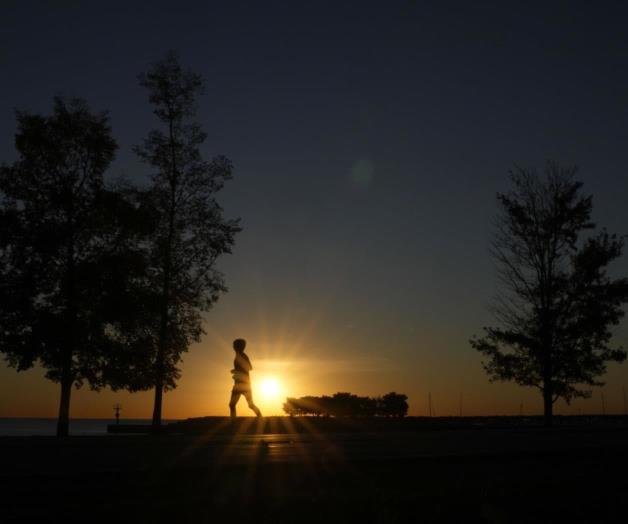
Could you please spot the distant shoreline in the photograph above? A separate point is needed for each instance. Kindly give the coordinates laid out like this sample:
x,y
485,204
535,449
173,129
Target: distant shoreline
x,y
44,426
40,426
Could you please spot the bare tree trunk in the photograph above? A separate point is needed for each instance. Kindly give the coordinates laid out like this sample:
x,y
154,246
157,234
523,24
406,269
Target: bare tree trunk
x,y
548,393
161,352
63,422
159,391
160,365
67,372
548,407
163,331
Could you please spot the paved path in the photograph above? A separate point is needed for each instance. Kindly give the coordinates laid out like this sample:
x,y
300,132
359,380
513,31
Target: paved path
x,y
28,455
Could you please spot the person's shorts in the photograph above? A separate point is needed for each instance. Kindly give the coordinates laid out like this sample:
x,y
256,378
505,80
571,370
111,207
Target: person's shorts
x,y
241,387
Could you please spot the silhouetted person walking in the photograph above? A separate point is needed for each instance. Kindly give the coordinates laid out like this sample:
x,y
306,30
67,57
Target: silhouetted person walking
x,y
241,379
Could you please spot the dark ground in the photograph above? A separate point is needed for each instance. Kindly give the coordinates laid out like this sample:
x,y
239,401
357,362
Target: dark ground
x,y
475,474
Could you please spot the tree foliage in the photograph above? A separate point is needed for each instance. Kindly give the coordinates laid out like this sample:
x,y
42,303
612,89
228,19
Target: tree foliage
x,y
64,239
557,303
190,229
348,405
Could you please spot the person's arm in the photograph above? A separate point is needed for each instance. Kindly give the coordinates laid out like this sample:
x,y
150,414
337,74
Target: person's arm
x,y
242,363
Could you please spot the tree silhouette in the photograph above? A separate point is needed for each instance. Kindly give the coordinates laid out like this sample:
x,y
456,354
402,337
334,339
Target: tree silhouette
x,y
392,405
64,239
557,303
191,231
348,405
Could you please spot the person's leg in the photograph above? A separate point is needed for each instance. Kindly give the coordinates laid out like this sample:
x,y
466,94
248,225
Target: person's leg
x,y
248,395
235,396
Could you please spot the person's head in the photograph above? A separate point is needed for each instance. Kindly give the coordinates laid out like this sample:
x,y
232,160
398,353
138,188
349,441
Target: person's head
x,y
239,344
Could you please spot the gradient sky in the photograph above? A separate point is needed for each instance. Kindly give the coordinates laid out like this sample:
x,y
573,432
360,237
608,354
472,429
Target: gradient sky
x,y
369,140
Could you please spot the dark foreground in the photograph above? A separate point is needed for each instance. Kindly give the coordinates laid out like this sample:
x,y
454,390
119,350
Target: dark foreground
x,y
218,426
493,475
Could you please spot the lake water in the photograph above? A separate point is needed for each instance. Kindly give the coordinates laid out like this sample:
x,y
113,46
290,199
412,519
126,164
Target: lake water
x,y
15,427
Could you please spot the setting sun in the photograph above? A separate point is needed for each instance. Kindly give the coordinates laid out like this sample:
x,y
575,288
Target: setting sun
x,y
269,388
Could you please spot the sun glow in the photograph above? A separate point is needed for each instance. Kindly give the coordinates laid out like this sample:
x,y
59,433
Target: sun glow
x,y
269,388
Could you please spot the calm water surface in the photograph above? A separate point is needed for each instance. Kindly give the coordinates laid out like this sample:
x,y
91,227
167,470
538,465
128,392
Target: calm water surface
x,y
14,427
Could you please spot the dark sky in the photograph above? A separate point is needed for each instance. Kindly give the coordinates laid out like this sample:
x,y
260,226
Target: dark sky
x,y
369,140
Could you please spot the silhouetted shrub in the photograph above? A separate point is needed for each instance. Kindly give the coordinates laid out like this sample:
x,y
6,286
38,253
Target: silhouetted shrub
x,y
344,404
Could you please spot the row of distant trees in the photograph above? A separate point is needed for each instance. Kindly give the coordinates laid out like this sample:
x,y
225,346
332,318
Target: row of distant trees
x,y
348,405
105,282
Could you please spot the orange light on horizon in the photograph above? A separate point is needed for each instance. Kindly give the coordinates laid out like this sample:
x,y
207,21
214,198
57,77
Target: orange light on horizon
x,y
269,388
267,391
